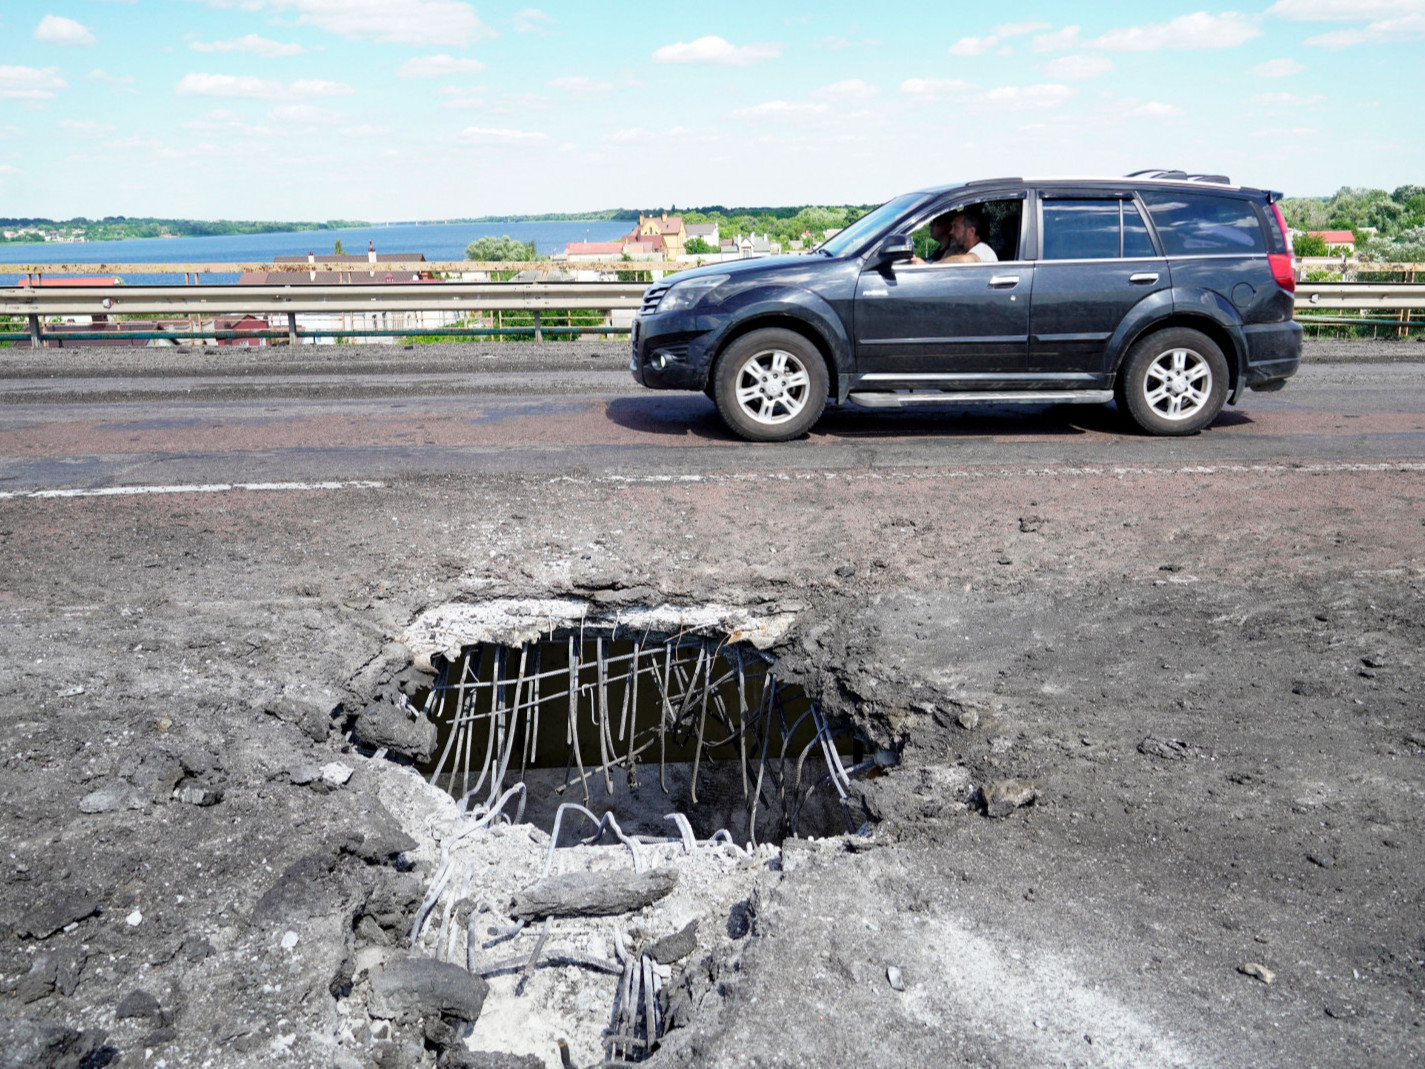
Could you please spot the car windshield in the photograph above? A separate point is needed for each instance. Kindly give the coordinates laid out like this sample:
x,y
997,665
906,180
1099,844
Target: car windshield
x,y
869,224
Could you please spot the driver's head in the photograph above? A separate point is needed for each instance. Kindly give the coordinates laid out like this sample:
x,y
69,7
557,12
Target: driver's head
x,y
940,227
969,227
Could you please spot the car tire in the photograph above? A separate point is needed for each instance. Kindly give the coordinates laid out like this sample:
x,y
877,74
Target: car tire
x,y
1173,382
770,385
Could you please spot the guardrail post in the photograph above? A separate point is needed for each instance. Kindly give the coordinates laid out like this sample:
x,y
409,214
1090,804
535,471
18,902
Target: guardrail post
x,y
538,333
35,336
291,328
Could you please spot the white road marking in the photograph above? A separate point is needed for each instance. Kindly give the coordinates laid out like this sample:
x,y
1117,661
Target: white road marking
x,y
191,488
920,474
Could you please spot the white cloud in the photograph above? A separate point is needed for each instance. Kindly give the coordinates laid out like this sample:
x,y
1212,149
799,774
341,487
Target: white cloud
x,y
462,103
1022,97
84,126
777,109
632,136
451,23
27,83
973,46
58,30
438,66
247,85
1198,30
1344,10
1076,68
304,115
1058,41
531,20
364,130
1155,110
6,168
934,87
850,90
1381,32
716,50
480,135
581,84
111,79
1289,100
251,43
1018,29
1278,68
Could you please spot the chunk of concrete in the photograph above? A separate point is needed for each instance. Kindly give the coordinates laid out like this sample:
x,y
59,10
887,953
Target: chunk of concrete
x,y
677,946
386,726
55,914
1004,797
594,894
111,797
427,987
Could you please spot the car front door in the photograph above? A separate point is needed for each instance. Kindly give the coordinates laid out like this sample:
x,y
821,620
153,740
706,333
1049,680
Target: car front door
x,y
957,325
1097,260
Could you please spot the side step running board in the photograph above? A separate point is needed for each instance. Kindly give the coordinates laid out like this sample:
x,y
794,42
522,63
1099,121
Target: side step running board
x,y
904,398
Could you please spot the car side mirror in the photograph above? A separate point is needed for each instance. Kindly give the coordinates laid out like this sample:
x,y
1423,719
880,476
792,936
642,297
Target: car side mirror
x,y
894,248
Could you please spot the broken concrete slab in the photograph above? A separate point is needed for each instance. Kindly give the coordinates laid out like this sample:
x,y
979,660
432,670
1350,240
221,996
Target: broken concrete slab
x,y
593,894
386,726
55,914
675,947
427,987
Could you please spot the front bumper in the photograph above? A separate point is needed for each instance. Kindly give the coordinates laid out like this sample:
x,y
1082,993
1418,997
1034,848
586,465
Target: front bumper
x,y
673,352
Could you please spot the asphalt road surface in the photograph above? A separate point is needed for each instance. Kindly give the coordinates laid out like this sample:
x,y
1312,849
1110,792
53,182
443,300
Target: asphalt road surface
x,y
79,426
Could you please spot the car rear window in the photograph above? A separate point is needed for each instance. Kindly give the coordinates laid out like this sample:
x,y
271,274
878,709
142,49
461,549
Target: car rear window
x,y
1081,229
1194,224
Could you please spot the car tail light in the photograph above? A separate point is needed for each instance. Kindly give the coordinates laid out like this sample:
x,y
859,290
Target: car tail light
x,y
1282,269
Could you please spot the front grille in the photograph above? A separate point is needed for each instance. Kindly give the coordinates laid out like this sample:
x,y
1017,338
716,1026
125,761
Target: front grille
x,y
652,296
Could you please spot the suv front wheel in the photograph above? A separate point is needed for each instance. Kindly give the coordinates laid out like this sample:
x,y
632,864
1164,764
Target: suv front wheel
x,y
1173,382
770,385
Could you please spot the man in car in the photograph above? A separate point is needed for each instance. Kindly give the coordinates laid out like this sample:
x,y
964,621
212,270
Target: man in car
x,y
940,228
968,230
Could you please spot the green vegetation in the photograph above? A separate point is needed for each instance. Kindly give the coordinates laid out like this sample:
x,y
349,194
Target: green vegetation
x,y
499,250
337,248
1389,227
1309,245
780,224
520,321
603,216
11,325
120,227
697,245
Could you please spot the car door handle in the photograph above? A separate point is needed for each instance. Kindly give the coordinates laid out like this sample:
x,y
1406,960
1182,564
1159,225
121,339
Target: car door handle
x,y
1147,278
1004,280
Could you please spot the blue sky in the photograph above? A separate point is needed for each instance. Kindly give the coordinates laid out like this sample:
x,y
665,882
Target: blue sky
x,y
406,109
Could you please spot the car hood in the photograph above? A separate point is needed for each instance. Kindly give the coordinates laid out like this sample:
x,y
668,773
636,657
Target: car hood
x,y
743,270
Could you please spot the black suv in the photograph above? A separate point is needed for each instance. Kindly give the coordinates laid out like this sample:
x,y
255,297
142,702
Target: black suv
x,y
1166,292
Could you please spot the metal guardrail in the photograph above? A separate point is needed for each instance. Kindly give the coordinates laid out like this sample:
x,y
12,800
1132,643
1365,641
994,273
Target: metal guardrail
x,y
36,304
354,271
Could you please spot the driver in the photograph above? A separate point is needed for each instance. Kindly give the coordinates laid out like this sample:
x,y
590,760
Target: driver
x,y
968,230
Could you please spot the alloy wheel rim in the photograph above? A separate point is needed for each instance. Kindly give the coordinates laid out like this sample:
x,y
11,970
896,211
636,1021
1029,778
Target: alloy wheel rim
x,y
772,387
1178,384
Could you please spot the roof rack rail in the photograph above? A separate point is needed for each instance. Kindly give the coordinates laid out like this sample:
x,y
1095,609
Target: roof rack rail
x,y
1182,176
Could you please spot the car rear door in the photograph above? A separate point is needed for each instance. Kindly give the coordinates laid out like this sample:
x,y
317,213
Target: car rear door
x,y
1097,260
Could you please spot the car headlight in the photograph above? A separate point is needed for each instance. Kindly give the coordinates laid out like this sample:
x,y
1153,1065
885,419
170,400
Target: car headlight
x,y
685,295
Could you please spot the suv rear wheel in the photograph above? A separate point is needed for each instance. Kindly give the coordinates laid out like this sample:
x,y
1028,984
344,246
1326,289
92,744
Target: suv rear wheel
x,y
1173,382
770,385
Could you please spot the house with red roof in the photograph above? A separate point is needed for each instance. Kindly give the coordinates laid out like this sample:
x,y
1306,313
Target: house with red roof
x,y
1336,240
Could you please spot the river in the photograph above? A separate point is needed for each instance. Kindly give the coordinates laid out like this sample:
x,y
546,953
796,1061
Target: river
x,y
438,241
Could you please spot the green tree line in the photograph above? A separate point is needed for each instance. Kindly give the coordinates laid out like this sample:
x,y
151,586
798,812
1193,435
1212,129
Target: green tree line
x,y
121,227
1388,226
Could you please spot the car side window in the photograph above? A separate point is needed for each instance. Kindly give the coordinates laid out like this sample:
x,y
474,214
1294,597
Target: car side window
x,y
1136,241
1081,229
1197,224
